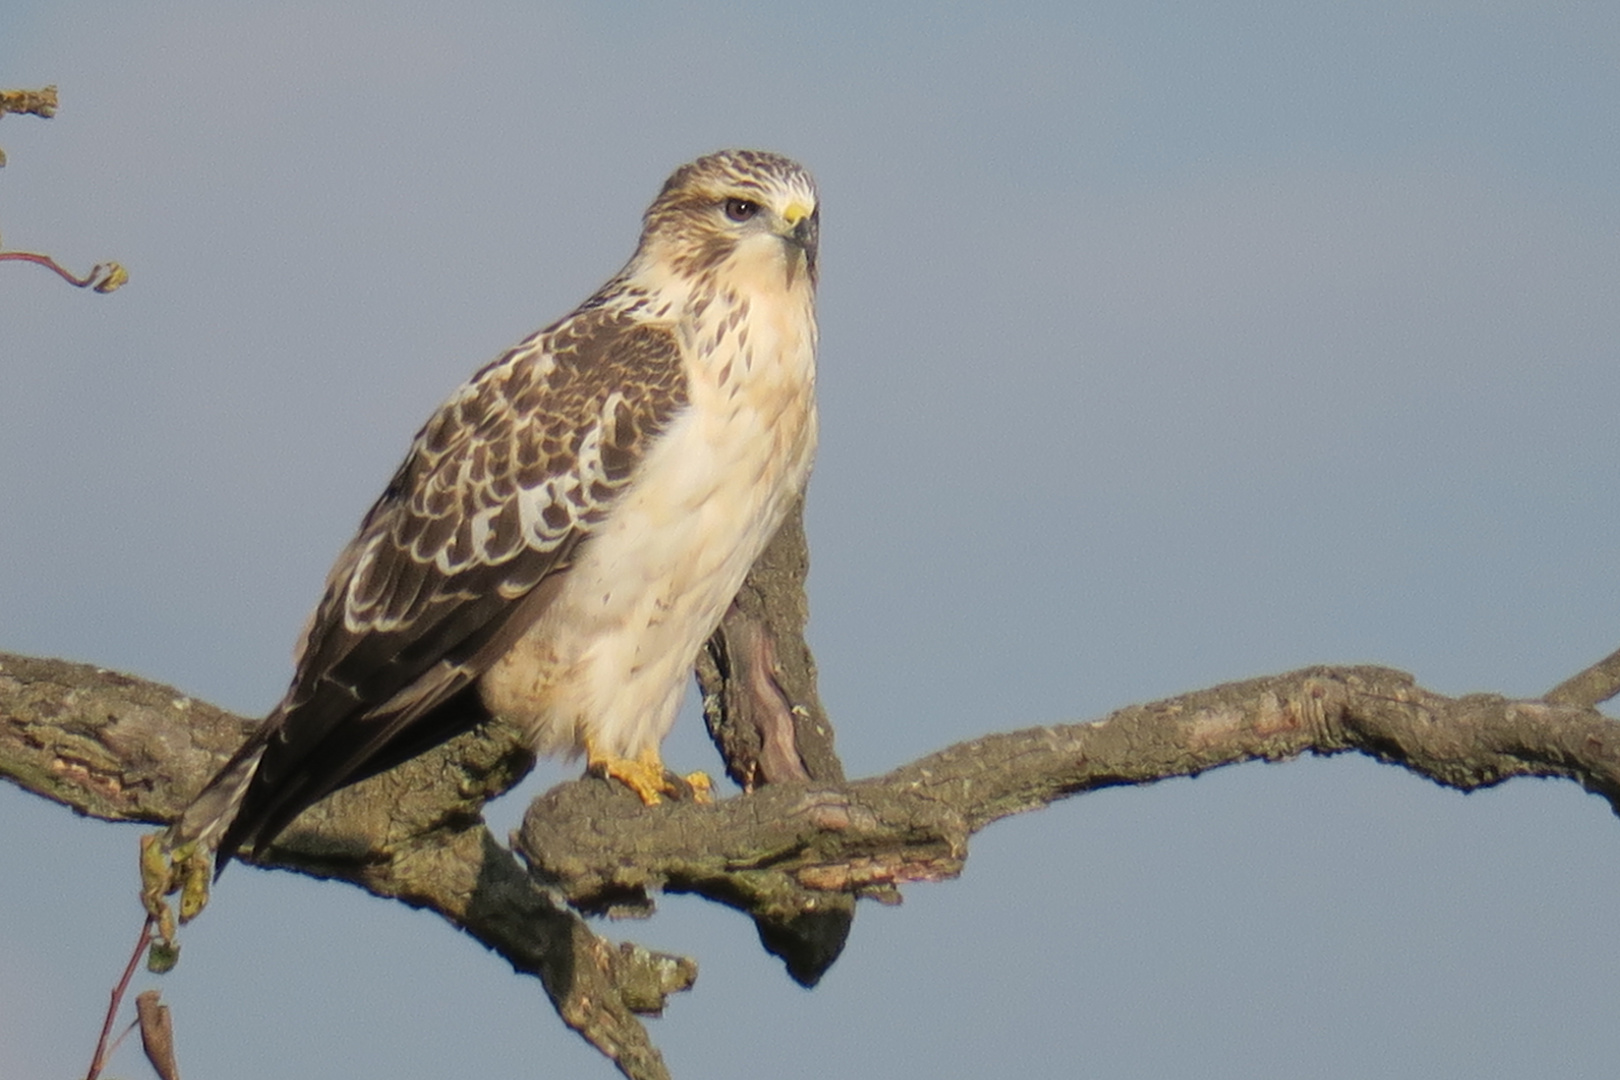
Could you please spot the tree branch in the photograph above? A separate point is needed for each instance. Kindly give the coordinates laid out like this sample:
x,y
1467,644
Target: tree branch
x,y
794,853
103,277
124,749
1594,686
784,850
40,102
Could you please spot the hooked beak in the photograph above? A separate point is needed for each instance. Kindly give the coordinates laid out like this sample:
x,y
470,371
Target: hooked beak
x,y
804,231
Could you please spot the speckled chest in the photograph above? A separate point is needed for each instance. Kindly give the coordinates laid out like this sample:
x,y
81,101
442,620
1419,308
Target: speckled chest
x,y
608,661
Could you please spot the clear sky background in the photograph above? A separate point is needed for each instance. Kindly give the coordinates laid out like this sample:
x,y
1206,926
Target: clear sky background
x,y
1163,345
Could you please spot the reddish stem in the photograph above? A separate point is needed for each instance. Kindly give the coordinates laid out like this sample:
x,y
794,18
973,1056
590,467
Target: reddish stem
x,y
94,277
141,943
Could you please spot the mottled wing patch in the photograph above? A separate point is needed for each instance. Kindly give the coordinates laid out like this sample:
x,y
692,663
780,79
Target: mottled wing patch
x,y
498,488
535,449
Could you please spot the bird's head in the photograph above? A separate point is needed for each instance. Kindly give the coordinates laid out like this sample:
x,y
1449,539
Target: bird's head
x,y
740,213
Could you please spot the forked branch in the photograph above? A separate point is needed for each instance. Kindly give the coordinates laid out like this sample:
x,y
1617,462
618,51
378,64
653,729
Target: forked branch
x,y
794,853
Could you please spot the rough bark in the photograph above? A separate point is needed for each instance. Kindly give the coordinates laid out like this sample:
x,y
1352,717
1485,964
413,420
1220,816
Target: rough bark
x,y
124,749
763,711
794,854
786,847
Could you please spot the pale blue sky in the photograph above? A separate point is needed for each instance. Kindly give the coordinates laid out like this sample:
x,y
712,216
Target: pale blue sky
x,y
1162,345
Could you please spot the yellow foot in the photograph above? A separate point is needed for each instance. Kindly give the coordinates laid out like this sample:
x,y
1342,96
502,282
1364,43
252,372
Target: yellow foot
x,y
702,787
646,775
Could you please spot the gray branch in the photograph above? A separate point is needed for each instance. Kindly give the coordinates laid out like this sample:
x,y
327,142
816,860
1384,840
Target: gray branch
x,y
785,849
124,749
797,850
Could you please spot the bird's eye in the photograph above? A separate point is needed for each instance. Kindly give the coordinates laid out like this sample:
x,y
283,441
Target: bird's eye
x,y
741,209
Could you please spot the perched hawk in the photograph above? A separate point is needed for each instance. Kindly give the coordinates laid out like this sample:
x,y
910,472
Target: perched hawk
x,y
570,526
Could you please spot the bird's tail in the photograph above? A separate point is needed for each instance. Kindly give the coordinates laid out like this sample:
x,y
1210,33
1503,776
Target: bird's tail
x,y
204,822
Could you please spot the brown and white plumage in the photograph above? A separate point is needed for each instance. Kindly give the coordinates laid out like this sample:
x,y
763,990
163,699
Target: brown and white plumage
x,y
570,526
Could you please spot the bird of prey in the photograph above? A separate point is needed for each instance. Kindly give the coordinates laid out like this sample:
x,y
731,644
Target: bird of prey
x,y
569,527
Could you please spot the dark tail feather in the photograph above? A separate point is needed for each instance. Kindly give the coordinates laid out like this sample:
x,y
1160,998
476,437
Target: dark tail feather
x,y
210,814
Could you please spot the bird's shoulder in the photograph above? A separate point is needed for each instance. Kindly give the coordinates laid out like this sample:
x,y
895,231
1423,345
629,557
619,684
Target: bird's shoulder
x,y
537,442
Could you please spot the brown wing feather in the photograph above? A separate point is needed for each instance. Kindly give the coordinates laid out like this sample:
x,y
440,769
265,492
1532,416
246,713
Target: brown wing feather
x,y
447,571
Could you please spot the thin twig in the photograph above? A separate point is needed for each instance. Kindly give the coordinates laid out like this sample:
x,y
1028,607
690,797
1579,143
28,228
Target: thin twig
x,y
102,1049
103,277
122,1035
